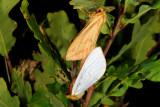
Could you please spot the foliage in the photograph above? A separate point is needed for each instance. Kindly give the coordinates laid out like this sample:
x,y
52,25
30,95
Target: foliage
x,y
47,84
6,99
7,26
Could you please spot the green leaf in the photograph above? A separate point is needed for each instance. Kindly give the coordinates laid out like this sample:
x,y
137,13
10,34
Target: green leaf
x,y
130,2
23,89
119,91
85,6
59,91
61,95
46,61
95,97
107,27
39,99
104,85
121,72
150,68
42,79
100,91
34,27
61,31
138,34
54,101
93,5
60,76
45,45
111,71
142,10
48,67
156,5
88,4
135,83
107,101
5,98
7,26
140,49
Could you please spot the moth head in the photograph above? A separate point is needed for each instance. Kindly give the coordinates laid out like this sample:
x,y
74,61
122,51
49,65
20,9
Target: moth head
x,y
73,96
99,10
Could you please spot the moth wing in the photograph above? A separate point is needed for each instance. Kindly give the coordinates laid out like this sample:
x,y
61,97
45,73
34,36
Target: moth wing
x,y
93,69
85,42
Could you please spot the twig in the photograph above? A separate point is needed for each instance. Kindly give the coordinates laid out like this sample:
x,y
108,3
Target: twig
x,y
88,97
151,51
108,45
74,70
117,28
7,57
9,64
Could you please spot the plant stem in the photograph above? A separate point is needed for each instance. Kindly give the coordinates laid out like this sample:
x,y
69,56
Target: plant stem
x,y
7,57
88,97
8,74
74,69
9,64
152,50
108,45
116,29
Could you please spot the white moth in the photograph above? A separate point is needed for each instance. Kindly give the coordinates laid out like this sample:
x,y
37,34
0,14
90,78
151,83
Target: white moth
x,y
92,70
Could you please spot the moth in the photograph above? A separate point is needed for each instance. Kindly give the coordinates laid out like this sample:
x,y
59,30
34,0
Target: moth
x,y
86,40
92,70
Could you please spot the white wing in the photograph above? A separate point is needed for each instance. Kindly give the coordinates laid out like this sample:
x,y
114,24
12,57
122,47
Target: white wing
x,y
93,69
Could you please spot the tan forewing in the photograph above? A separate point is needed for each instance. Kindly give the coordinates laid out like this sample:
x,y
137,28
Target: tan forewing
x,y
86,40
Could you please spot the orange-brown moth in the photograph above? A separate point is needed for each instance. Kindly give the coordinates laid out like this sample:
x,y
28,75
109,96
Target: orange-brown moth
x,y
86,40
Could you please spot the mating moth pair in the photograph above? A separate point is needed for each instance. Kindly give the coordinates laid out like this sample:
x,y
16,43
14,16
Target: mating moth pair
x,y
83,47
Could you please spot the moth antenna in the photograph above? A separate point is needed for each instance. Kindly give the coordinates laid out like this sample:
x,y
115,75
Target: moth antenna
x,y
89,12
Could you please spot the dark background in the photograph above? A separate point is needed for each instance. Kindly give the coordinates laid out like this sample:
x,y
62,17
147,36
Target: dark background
x,y
148,96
